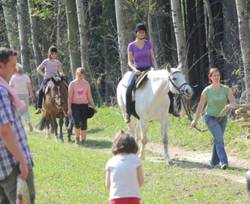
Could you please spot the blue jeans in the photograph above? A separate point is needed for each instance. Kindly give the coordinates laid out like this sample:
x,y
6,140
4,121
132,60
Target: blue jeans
x,y
217,127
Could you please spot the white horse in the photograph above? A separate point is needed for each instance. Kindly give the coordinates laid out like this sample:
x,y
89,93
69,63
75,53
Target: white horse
x,y
152,102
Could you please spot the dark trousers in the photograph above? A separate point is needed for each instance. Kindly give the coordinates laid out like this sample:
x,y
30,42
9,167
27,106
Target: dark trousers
x,y
41,93
130,88
8,187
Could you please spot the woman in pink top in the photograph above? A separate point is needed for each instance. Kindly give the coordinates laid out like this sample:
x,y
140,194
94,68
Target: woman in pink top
x,y
79,97
21,83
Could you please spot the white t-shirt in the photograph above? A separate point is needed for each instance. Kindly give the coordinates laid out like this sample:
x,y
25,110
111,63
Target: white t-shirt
x,y
51,67
123,176
20,83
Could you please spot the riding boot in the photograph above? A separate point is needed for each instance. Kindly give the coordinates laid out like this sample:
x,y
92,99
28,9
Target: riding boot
x,y
171,107
127,117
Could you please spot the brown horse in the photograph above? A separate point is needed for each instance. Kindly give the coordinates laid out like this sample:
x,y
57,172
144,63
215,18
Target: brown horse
x,y
56,104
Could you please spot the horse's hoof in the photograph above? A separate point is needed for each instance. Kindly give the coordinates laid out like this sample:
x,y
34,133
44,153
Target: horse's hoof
x,y
170,162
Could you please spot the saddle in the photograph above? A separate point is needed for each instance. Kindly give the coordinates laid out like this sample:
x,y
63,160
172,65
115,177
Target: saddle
x,y
141,79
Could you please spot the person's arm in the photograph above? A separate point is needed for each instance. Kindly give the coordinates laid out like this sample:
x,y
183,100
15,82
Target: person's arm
x,y
90,98
131,63
40,69
30,89
70,95
140,176
232,102
11,144
107,180
199,110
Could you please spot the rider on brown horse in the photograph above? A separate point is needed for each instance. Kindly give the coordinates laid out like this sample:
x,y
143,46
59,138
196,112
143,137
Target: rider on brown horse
x,y
49,68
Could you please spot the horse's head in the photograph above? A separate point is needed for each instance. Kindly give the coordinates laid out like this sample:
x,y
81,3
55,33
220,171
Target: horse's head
x,y
178,84
59,92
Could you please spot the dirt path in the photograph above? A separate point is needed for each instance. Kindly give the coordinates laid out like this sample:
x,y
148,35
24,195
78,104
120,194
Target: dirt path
x,y
198,161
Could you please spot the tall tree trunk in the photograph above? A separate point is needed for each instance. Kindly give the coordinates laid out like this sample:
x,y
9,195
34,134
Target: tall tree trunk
x,y
180,35
210,33
241,6
23,28
124,21
231,51
159,29
34,30
58,24
81,7
10,17
72,32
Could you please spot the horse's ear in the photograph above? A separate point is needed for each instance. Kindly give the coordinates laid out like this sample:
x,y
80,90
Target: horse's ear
x,y
168,67
179,67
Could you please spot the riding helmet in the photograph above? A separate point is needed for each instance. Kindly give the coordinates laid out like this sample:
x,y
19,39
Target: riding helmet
x,y
140,26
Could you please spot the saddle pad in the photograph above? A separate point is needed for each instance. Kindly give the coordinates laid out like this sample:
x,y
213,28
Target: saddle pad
x,y
48,86
141,78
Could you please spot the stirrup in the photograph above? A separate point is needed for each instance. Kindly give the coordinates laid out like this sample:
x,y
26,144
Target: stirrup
x,y
38,111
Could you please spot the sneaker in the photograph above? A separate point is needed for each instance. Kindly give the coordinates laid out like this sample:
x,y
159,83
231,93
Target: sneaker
x,y
213,165
38,111
30,127
127,118
223,166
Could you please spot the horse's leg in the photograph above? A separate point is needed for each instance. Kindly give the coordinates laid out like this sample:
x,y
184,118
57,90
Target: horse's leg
x,y
55,126
47,127
164,137
143,130
61,131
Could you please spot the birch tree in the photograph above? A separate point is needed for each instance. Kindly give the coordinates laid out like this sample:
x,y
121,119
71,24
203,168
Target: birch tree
x,y
34,30
10,19
23,30
81,8
241,6
125,24
179,35
72,31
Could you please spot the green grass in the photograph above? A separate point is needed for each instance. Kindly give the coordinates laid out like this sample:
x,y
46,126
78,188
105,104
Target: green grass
x,y
66,173
109,120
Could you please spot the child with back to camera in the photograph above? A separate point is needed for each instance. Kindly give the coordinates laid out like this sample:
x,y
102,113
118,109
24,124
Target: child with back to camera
x,y
124,172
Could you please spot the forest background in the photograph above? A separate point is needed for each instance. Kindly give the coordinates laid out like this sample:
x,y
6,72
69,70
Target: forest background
x,y
95,33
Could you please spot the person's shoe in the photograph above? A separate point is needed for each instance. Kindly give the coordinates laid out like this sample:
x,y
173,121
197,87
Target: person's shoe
x,y
38,111
224,166
213,165
127,118
78,141
30,127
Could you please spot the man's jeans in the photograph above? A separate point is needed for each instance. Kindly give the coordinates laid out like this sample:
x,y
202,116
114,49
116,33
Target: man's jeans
x,y
217,127
8,187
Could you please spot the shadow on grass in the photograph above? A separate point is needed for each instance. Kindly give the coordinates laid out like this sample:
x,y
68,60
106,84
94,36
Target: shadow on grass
x,y
97,144
95,130
194,165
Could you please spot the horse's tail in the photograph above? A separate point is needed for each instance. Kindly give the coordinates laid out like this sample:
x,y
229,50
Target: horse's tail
x,y
42,123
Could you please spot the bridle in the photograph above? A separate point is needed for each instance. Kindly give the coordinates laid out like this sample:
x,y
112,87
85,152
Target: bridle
x,y
178,88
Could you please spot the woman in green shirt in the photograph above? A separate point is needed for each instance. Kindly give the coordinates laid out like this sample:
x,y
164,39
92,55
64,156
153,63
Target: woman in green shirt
x,y
219,101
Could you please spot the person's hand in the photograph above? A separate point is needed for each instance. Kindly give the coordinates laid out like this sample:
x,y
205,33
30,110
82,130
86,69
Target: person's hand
x,y
69,111
228,108
193,124
137,72
24,170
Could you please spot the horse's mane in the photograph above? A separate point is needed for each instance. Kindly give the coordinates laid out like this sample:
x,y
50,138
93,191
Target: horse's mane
x,y
160,74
